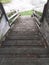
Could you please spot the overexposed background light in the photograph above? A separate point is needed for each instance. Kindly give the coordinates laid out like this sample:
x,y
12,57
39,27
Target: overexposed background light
x,y
23,5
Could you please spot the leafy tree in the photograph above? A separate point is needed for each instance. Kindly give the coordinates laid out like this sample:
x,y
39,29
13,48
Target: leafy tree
x,y
5,1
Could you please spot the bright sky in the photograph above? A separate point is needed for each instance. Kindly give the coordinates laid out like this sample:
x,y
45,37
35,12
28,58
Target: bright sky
x,y
22,5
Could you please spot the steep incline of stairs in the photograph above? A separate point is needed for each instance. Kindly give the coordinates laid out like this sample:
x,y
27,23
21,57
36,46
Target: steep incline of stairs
x,y
24,45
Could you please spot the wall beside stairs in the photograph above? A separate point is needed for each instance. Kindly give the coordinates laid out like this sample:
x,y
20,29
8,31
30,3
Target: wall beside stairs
x,y
4,27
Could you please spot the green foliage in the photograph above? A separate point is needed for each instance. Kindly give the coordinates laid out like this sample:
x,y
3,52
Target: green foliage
x,y
5,1
29,12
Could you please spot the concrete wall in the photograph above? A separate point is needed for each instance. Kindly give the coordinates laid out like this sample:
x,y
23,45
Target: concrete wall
x,y
4,26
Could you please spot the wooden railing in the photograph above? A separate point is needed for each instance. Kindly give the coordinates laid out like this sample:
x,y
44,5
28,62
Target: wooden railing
x,y
13,17
5,23
43,28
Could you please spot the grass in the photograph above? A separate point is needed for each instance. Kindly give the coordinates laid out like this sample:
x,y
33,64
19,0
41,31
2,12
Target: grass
x,y
5,1
25,13
29,12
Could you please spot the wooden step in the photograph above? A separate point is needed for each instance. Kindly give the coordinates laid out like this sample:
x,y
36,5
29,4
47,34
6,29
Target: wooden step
x,y
24,56
24,33
35,43
23,50
24,61
23,37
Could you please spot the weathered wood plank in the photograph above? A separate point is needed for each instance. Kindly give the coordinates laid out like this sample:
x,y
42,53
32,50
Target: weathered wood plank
x,y
23,50
23,42
25,61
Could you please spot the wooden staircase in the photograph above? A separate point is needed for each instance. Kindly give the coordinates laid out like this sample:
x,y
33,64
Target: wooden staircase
x,y
24,45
